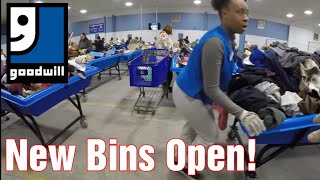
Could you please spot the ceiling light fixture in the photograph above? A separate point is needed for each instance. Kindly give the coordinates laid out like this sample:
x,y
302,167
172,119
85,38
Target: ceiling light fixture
x,y
83,11
39,2
308,12
128,4
318,24
290,15
197,2
69,7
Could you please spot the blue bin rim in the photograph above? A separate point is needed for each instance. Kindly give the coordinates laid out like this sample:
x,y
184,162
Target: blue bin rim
x,y
27,101
289,124
173,64
134,63
103,59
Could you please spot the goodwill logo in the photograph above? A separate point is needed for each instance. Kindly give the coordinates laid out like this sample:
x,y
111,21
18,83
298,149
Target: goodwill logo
x,y
37,42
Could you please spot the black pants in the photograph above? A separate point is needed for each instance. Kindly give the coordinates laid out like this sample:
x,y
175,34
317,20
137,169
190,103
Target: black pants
x,y
170,74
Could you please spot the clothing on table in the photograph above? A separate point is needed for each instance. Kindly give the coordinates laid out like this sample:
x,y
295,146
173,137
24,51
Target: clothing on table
x,y
290,103
309,105
3,68
250,76
310,76
289,83
258,59
252,99
85,44
271,117
270,89
290,57
316,56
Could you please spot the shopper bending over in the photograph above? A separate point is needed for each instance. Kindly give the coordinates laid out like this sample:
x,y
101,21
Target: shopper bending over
x,y
314,137
205,79
165,42
84,43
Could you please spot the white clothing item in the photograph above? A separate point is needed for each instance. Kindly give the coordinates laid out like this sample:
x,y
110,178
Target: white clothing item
x,y
80,67
270,89
247,62
3,58
290,98
289,103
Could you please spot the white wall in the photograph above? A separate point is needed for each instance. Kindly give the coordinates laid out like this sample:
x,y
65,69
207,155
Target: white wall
x,y
302,39
261,41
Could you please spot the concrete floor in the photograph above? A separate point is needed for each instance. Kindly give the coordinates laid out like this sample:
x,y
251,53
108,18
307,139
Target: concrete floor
x,y
109,114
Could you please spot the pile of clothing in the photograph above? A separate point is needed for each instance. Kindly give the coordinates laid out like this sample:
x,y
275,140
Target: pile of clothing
x,y
278,83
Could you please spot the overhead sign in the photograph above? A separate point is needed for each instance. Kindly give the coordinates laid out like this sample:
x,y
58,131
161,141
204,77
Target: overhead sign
x,y
95,28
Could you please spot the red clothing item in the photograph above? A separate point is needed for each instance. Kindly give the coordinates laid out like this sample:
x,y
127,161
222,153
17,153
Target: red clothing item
x,y
223,117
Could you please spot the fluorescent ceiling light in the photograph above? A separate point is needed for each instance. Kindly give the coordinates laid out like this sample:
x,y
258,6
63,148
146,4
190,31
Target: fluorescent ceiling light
x,y
69,7
308,12
197,2
128,4
318,24
39,2
83,11
290,15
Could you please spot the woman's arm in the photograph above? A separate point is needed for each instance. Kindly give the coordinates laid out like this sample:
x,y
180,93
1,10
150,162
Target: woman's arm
x,y
212,58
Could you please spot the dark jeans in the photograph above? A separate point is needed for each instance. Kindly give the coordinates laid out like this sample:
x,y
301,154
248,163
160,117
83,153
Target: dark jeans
x,y
170,74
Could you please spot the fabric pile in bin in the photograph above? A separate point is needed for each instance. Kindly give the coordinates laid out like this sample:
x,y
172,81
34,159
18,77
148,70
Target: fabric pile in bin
x,y
277,83
19,88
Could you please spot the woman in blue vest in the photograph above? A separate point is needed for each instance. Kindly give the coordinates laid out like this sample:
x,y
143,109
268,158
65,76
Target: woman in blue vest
x,y
205,79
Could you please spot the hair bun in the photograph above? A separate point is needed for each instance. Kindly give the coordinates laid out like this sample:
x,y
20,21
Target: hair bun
x,y
219,4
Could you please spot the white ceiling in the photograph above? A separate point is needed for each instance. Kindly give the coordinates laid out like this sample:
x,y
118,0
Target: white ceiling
x,y
274,10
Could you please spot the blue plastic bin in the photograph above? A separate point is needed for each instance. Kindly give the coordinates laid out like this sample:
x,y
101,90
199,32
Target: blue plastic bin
x,y
148,74
97,55
36,104
174,63
105,62
287,131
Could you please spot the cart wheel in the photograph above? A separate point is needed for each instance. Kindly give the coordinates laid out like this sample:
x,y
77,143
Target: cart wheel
x,y
83,118
138,112
231,135
83,124
251,175
99,77
119,78
143,94
84,98
153,112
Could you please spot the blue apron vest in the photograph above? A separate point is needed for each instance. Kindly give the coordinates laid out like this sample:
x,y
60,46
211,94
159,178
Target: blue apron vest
x,y
190,78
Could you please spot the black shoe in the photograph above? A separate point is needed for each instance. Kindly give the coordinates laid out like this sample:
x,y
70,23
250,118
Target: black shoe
x,y
184,172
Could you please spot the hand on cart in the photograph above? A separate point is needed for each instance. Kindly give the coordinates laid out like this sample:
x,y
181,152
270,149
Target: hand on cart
x,y
253,124
314,137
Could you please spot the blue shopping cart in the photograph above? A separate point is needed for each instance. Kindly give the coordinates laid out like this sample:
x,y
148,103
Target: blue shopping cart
x,y
149,71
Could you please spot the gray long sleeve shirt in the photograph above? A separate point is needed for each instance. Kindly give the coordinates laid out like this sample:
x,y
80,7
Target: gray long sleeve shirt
x,y
212,58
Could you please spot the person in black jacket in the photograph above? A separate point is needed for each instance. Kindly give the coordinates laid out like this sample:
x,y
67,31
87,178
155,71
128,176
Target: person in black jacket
x,y
84,43
99,44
